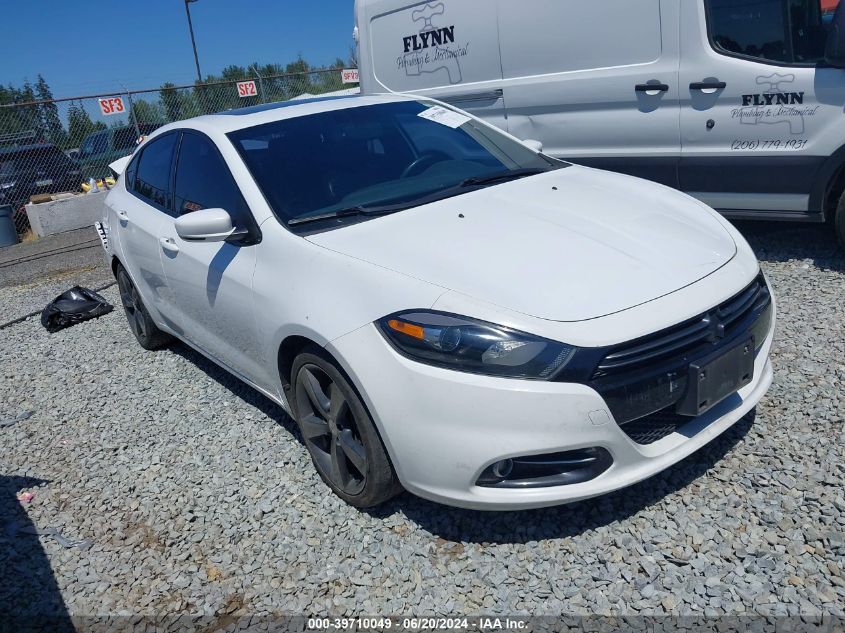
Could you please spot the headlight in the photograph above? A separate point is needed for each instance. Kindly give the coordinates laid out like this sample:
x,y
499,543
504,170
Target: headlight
x,y
7,185
478,347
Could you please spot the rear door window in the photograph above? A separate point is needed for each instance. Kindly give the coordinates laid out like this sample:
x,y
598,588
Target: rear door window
x,y
152,179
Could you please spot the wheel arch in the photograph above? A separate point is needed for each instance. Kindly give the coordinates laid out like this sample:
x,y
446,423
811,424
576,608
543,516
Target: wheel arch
x,y
829,184
293,345
113,264
288,350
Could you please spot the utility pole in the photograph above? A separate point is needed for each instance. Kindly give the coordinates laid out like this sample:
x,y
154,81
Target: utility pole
x,y
193,41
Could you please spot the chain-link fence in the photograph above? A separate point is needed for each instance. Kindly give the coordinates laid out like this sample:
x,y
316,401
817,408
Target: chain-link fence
x,y
50,147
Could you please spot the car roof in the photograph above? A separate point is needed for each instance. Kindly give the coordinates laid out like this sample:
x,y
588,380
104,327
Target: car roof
x,y
240,118
19,149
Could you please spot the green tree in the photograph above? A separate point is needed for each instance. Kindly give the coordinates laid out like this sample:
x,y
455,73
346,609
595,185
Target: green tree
x,y
48,114
23,117
147,112
80,125
15,119
177,104
329,81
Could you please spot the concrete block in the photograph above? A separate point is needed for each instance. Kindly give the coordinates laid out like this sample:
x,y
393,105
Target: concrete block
x,y
66,214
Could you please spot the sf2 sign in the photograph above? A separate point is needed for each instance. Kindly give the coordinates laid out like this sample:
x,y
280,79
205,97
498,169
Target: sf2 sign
x,y
112,105
247,89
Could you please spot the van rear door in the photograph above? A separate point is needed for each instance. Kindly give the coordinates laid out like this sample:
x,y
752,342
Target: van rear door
x,y
445,50
596,82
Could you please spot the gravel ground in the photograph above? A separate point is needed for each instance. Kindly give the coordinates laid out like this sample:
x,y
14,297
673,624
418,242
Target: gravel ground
x,y
34,273
199,497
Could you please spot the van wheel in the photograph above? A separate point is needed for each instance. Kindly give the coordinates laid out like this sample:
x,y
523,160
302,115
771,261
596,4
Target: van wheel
x,y
145,330
339,433
839,221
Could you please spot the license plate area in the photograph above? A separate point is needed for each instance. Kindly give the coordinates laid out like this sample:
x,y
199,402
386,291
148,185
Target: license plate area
x,y
44,183
715,377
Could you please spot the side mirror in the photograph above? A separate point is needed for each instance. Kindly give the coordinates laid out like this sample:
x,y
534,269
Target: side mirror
x,y
834,52
537,146
206,225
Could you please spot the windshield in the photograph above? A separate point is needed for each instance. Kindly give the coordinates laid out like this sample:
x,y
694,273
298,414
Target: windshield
x,y
398,154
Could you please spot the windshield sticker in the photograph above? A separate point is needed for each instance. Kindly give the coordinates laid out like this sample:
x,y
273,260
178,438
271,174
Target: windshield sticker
x,y
443,116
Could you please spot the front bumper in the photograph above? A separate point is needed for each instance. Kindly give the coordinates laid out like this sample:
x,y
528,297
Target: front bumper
x,y
443,428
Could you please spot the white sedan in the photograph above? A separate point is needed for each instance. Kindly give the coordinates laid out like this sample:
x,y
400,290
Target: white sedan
x,y
440,306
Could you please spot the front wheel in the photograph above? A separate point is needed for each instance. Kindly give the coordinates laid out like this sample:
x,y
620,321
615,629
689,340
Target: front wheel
x,y
339,433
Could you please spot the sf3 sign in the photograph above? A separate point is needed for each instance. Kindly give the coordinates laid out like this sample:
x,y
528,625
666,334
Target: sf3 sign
x,y
112,105
349,75
247,89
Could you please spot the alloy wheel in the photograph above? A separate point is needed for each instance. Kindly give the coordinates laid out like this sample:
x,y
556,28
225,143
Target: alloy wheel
x,y
330,430
132,305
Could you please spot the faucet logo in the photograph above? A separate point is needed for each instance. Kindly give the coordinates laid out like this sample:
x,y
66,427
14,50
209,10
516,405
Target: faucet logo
x,y
775,95
775,104
432,49
429,34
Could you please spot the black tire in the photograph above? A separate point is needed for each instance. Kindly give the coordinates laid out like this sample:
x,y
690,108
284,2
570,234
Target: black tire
x,y
839,221
339,433
142,326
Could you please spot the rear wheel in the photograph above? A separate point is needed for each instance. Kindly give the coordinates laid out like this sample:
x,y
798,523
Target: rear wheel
x,y
839,221
145,331
339,433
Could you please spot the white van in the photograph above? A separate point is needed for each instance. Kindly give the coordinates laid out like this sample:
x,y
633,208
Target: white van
x,y
740,103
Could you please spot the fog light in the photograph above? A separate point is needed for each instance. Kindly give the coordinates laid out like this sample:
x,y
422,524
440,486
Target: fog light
x,y
551,469
496,473
502,469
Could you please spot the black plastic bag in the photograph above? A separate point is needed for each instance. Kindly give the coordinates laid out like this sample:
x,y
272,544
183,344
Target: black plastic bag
x,y
73,306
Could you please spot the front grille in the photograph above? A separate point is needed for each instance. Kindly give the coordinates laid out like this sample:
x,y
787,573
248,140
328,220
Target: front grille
x,y
650,374
700,332
654,427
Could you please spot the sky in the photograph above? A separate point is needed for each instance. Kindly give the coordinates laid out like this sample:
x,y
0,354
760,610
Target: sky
x,y
84,47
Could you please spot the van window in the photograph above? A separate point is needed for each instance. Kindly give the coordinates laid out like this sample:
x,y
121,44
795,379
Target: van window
x,y
556,36
782,31
152,180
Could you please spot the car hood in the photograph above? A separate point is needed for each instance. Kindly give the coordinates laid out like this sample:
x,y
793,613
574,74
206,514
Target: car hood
x,y
567,245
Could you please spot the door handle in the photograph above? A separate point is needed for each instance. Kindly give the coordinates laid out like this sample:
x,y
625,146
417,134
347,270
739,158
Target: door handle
x,y
708,85
651,88
168,244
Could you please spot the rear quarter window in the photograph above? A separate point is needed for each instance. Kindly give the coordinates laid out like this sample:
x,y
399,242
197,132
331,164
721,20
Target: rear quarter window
x,y
152,178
